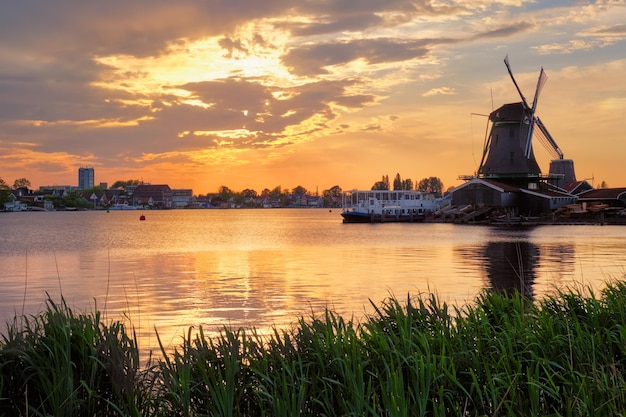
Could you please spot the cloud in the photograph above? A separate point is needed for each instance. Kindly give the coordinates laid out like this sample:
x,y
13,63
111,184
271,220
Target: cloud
x,y
506,31
617,30
567,47
440,90
315,59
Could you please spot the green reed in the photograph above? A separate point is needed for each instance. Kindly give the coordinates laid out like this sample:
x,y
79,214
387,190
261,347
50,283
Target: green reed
x,y
65,364
503,355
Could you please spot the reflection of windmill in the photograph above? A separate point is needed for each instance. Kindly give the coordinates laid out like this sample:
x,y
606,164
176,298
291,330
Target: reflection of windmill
x,y
508,151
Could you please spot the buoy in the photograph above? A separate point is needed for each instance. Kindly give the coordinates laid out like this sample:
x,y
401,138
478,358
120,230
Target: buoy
x,y
142,217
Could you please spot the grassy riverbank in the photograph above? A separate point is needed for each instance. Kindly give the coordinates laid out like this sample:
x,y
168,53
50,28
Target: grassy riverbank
x,y
503,355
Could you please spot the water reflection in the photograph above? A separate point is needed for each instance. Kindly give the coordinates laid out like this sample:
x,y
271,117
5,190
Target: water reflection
x,y
260,268
510,266
519,261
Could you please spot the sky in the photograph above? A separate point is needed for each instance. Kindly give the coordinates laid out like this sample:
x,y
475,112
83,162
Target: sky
x,y
315,93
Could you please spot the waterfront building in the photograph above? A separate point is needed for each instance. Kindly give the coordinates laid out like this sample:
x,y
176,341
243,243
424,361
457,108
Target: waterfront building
x,y
182,198
156,196
85,178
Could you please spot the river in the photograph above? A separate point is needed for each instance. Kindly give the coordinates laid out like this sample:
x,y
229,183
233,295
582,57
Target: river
x,y
268,267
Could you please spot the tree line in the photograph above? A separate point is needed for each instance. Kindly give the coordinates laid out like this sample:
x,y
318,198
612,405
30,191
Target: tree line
x,y
247,196
427,185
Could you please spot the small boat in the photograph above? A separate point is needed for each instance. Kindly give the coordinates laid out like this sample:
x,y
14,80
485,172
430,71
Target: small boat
x,y
142,217
122,206
377,206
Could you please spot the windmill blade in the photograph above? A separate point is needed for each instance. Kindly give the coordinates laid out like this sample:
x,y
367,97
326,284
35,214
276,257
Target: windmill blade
x,y
528,148
508,68
540,83
546,137
546,144
485,150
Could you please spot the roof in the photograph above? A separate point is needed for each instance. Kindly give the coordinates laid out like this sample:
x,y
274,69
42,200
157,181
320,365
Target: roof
x,y
547,193
143,188
502,187
576,187
604,194
498,186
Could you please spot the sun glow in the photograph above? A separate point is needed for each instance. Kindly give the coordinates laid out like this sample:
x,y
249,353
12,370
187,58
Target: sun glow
x,y
215,58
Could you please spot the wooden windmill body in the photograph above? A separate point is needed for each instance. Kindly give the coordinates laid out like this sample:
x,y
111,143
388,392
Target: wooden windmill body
x,y
508,152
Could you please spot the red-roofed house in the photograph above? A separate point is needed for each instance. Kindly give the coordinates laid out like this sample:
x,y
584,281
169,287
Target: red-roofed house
x,y
155,196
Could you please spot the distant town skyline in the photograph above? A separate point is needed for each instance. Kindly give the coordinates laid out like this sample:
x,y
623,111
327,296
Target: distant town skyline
x,y
257,95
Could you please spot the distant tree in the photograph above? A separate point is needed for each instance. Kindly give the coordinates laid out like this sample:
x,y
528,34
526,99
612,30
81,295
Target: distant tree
x,y
284,200
5,191
603,184
239,199
431,185
382,184
397,182
330,196
276,192
225,193
299,190
75,199
407,184
21,183
96,189
125,184
248,193
334,191
265,193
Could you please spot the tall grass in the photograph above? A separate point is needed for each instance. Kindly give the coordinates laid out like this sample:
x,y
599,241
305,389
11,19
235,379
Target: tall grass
x,y
65,364
503,355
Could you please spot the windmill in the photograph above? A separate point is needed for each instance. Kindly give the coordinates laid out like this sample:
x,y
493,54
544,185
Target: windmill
x,y
508,151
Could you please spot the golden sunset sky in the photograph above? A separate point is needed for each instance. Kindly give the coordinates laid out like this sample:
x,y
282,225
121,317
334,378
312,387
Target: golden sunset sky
x,y
258,94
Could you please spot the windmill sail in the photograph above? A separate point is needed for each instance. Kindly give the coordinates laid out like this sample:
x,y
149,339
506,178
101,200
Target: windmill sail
x,y
533,119
508,149
508,67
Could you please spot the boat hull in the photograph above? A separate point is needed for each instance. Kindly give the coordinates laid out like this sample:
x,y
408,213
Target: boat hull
x,y
359,217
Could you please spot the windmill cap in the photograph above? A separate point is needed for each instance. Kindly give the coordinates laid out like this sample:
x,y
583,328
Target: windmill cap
x,y
513,112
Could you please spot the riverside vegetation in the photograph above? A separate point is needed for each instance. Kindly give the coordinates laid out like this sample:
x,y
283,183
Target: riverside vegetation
x,y
501,355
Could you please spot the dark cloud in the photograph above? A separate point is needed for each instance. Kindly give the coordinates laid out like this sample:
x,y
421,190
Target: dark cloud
x,y
372,128
233,45
612,30
355,101
312,59
139,28
394,10
345,15
346,24
505,31
237,104
233,105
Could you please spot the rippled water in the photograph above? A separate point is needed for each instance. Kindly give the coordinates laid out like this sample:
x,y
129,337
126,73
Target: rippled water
x,y
259,268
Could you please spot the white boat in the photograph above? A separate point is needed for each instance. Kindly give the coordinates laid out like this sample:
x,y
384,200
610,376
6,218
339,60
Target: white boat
x,y
122,207
372,206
